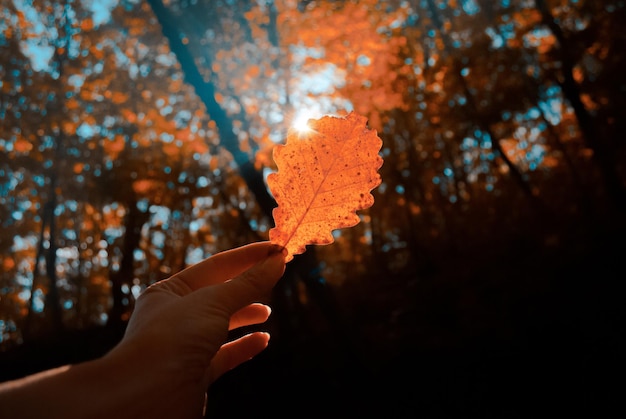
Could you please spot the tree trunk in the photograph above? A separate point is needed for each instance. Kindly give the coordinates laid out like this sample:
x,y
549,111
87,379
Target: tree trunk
x,y
52,304
587,124
40,254
53,301
135,219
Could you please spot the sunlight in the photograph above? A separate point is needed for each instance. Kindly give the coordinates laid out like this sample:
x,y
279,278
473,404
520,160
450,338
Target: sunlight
x,y
301,121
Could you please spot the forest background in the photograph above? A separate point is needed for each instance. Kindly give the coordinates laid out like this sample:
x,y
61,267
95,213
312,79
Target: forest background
x,y
487,279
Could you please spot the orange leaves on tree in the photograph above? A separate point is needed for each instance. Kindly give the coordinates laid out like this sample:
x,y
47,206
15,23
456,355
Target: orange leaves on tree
x,y
22,145
324,176
8,263
87,24
114,147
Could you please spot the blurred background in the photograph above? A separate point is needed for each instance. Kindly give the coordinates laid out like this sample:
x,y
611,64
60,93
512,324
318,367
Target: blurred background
x,y
487,279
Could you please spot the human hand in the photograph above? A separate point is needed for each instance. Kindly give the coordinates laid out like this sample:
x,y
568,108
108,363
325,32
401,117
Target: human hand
x,y
179,326
174,346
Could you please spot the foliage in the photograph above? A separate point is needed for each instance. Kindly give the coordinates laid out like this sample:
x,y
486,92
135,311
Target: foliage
x,y
325,174
498,119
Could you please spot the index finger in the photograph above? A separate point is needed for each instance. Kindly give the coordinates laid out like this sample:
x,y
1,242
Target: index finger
x,y
225,265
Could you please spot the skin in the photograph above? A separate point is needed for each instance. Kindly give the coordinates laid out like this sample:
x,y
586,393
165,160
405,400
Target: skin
x,y
174,347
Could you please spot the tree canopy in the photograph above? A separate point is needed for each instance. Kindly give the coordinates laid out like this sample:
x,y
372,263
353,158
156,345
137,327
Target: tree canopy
x,y
136,137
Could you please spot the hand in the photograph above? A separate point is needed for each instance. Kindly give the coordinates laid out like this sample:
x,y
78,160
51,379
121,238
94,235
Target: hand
x,y
180,325
174,346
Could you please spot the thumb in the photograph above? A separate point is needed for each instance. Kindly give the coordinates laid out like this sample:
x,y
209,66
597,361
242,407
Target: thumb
x,y
251,285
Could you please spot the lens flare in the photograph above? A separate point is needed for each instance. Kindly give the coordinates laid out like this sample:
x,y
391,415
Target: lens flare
x,y
301,122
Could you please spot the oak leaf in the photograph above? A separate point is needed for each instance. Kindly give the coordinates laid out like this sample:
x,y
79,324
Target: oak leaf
x,y
324,176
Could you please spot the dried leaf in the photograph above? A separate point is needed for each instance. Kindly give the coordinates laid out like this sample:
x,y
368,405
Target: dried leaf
x,y
324,176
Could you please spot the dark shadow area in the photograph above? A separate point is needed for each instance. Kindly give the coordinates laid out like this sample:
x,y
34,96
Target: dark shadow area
x,y
509,340
486,336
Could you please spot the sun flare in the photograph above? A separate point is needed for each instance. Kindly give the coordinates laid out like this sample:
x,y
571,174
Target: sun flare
x,y
301,122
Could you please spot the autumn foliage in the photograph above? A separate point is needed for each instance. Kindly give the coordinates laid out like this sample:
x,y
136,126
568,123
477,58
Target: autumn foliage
x,y
135,140
136,136
325,174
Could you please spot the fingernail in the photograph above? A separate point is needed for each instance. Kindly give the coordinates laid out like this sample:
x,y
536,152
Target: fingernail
x,y
267,336
276,248
274,263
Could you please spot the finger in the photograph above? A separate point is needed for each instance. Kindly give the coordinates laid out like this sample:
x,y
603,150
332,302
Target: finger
x,y
234,353
225,265
249,287
253,314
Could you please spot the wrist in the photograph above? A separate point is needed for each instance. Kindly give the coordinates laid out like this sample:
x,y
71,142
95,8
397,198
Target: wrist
x,y
147,385
123,384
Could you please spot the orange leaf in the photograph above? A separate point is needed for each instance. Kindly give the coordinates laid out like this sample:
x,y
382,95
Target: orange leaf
x,y
324,176
87,24
22,146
